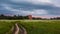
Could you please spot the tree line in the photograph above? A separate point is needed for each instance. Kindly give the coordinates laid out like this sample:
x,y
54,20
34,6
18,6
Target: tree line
x,y
19,17
13,17
55,18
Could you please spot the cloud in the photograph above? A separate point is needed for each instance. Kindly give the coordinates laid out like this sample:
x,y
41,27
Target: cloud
x,y
56,3
35,12
32,1
34,7
41,11
43,2
25,12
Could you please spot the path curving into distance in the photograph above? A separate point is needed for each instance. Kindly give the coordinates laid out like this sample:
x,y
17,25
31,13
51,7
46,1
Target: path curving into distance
x,y
23,30
19,30
16,29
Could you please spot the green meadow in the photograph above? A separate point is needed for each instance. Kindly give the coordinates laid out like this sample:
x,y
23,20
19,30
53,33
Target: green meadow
x,y
32,26
5,26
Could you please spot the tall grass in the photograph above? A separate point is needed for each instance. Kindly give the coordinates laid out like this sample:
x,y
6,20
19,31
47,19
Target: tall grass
x,y
42,26
5,26
32,26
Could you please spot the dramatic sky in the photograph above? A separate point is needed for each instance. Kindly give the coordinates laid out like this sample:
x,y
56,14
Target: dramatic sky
x,y
33,7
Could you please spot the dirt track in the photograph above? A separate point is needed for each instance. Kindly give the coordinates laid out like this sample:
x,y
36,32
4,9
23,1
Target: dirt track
x,y
18,30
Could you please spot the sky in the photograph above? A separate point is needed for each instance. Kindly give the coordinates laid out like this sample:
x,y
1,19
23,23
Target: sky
x,y
47,8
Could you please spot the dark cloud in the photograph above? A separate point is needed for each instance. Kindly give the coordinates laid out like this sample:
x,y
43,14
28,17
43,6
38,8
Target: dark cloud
x,y
26,6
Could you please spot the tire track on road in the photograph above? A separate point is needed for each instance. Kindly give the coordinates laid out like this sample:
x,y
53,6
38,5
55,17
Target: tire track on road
x,y
17,30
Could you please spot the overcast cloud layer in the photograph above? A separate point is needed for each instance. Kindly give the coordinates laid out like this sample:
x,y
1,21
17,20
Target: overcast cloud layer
x,y
33,7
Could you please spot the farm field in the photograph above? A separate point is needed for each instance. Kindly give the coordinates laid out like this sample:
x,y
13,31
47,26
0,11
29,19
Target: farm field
x,y
5,26
42,26
32,26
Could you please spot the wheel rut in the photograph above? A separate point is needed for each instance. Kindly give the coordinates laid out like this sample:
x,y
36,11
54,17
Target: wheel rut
x,y
19,30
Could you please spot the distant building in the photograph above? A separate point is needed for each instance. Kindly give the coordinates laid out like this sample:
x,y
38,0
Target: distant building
x,y
30,17
36,17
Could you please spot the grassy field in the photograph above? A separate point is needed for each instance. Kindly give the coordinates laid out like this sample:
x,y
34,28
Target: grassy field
x,y
42,26
32,26
5,26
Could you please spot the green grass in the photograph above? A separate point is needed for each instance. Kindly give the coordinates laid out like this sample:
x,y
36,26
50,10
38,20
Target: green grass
x,y
5,26
42,26
32,26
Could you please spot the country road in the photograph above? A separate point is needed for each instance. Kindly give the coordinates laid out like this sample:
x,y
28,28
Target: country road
x,y
18,30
